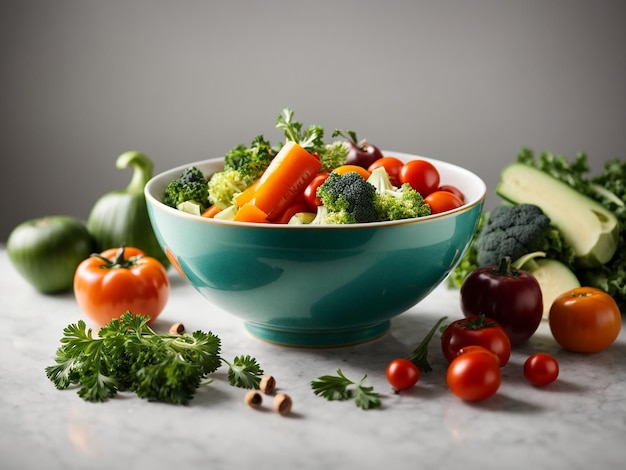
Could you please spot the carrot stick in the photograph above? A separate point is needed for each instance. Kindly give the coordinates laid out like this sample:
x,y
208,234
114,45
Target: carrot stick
x,y
247,195
211,211
284,180
251,213
343,169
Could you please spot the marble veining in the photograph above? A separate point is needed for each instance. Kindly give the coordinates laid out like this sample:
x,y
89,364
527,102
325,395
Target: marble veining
x,y
576,423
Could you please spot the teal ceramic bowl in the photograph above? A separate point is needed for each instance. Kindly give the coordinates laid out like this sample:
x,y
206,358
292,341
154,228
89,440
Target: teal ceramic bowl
x,y
316,286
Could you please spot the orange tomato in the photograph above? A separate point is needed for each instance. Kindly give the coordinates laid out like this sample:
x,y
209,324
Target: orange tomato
x,y
442,201
585,319
119,280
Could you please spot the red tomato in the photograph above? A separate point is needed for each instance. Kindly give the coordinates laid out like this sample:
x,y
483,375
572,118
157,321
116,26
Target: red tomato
x,y
293,209
392,166
541,369
402,374
421,175
310,192
585,320
474,376
475,348
119,280
476,331
442,201
454,190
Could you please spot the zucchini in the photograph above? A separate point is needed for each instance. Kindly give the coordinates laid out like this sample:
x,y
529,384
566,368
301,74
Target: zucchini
x,y
587,226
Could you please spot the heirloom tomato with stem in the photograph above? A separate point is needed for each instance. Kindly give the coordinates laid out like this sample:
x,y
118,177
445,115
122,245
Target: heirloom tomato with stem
x,y
476,330
585,320
108,284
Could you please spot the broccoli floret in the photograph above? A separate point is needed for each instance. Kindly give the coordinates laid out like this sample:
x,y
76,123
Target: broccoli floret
x,y
333,155
242,167
396,203
191,185
515,231
403,203
250,161
348,199
224,185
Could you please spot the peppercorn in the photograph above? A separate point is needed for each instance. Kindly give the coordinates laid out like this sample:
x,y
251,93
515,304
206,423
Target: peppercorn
x,y
177,329
282,403
268,384
253,399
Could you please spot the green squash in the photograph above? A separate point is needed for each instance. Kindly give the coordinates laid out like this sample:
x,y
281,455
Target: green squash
x,y
46,251
121,217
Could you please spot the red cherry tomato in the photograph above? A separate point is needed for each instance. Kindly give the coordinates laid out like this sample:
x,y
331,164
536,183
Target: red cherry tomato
x,y
402,374
475,348
541,369
474,376
310,192
454,190
392,166
421,175
476,330
442,201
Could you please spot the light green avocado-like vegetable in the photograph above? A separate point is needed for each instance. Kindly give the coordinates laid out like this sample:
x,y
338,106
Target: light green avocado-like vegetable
x,y
586,225
121,217
553,276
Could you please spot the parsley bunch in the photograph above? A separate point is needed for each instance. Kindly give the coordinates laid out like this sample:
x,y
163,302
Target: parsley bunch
x,y
339,387
129,355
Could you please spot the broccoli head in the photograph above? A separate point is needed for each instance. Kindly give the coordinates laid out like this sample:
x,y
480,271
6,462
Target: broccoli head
x,y
515,231
250,161
224,185
191,185
396,203
348,199
402,203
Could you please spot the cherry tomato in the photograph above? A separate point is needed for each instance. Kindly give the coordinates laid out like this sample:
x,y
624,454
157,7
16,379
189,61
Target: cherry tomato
x,y
421,175
541,369
585,319
476,330
392,166
442,201
454,190
119,280
310,192
509,296
479,349
474,376
402,374
290,211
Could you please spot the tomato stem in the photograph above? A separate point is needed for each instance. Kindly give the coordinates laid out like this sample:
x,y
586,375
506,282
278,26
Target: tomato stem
x,y
419,356
119,262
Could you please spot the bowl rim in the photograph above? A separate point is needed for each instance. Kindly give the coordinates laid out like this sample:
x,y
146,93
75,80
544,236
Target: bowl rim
x,y
172,173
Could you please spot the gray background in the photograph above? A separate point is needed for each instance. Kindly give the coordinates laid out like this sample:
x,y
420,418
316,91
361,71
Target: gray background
x,y
465,81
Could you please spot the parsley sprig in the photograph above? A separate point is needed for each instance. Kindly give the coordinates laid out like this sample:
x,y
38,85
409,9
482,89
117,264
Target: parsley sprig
x,y
128,355
339,387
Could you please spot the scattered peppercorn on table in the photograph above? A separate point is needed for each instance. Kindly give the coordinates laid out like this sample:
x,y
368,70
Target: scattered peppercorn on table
x,y
577,422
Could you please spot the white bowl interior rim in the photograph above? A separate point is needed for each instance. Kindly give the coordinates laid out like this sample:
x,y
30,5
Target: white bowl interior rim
x,y
472,186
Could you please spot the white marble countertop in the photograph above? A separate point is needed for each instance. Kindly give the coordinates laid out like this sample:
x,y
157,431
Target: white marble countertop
x,y
579,422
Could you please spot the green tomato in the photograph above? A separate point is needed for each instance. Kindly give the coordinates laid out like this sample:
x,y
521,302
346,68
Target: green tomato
x,y
46,251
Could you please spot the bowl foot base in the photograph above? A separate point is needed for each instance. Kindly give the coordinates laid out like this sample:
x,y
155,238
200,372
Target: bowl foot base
x,y
317,339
